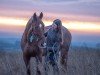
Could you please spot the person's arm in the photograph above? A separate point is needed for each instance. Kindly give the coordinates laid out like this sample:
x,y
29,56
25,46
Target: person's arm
x,y
46,33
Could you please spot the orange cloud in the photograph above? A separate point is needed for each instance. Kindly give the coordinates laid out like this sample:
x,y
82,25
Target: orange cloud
x,y
71,25
12,21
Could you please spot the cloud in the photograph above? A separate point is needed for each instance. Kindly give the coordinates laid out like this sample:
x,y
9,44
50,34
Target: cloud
x,y
68,0
84,10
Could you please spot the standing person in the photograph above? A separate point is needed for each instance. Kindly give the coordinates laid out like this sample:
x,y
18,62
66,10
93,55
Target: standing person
x,y
62,36
53,43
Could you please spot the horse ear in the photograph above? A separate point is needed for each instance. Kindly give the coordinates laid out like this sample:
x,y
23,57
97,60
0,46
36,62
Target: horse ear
x,y
34,17
41,15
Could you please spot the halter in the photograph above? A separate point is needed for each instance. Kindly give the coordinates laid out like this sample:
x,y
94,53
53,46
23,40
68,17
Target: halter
x,y
34,37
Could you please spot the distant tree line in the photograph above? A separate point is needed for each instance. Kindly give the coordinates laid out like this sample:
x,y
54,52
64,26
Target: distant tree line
x,y
6,45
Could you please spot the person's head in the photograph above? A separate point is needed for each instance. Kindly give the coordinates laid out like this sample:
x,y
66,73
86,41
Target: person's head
x,y
57,24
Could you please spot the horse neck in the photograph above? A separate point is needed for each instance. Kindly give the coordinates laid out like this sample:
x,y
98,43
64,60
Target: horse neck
x,y
28,25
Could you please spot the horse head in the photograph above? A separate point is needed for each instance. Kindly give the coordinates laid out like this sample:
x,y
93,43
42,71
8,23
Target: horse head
x,y
37,24
37,27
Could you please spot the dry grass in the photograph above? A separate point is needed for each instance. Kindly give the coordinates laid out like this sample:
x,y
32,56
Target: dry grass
x,y
84,61
81,61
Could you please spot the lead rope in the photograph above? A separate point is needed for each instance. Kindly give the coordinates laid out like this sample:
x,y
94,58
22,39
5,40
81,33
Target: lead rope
x,y
56,52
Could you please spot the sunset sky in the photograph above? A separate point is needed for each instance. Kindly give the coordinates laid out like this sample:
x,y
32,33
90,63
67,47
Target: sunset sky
x,y
81,17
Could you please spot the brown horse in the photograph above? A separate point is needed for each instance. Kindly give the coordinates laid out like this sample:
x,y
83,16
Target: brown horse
x,y
64,35
66,39
35,28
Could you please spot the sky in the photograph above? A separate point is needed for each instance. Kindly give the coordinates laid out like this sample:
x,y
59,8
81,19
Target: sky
x,y
81,17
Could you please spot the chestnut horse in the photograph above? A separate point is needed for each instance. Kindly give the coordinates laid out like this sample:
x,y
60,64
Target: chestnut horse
x,y
35,28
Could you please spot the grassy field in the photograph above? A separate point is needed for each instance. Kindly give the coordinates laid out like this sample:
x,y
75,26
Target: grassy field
x,y
81,61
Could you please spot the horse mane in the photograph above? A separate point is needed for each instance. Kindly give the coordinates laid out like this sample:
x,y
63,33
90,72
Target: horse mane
x,y
28,25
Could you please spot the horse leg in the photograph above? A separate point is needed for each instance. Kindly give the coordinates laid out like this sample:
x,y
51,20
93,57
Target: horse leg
x,y
39,65
46,65
27,63
64,56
